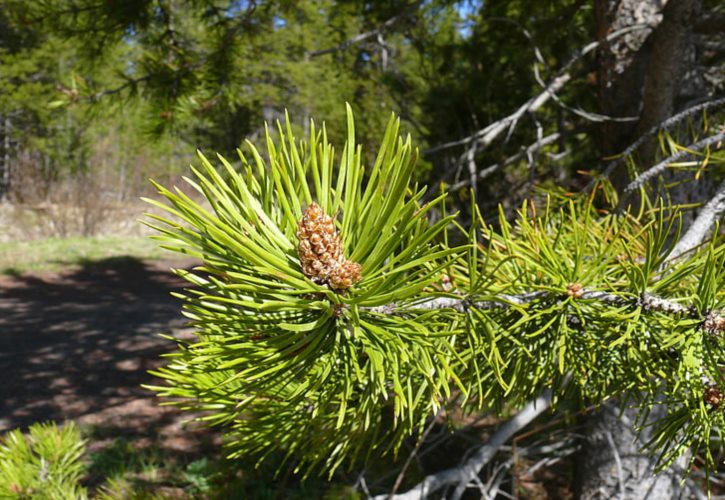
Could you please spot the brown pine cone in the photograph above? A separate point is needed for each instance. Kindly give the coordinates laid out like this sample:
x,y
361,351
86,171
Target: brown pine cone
x,y
320,251
319,244
713,396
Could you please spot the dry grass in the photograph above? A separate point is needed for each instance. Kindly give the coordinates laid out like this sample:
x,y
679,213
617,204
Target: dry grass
x,y
54,220
55,254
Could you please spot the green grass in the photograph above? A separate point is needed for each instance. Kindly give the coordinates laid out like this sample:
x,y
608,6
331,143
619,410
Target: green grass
x,y
120,470
56,254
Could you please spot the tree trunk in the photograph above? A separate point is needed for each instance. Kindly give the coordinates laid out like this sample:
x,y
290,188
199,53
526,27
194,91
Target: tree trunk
x,y
671,64
5,127
640,74
612,465
645,72
622,66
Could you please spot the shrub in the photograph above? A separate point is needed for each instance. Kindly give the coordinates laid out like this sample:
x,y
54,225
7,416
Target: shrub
x,y
43,464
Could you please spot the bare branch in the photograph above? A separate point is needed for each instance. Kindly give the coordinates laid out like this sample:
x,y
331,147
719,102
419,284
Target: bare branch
x,y
587,115
618,462
487,135
665,125
414,453
524,153
466,472
658,169
702,225
364,36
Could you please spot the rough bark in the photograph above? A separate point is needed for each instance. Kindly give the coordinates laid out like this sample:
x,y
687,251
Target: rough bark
x,y
622,65
648,73
613,466
671,64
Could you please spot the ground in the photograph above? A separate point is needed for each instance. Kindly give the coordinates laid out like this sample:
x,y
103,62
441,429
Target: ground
x,y
78,344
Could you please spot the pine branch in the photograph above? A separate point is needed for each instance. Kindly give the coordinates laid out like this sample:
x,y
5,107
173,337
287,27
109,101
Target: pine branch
x,y
132,82
658,169
464,305
665,125
464,473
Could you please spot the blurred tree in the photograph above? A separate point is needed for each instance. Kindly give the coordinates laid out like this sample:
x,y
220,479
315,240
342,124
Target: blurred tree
x,y
32,66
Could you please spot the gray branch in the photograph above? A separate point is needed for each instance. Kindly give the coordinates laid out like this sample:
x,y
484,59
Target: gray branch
x,y
658,169
504,301
362,36
484,137
459,304
524,153
665,125
702,225
466,472
487,135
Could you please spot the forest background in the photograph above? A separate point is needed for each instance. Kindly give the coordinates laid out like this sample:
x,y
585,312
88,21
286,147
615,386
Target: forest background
x,y
107,94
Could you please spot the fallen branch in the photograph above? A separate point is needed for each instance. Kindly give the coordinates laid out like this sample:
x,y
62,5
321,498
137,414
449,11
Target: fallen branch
x,y
524,153
485,136
414,453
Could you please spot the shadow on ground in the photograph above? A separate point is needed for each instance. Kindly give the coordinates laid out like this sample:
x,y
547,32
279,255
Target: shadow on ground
x,y
78,346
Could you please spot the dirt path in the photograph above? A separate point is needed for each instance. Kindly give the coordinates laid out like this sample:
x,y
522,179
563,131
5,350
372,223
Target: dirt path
x,y
78,345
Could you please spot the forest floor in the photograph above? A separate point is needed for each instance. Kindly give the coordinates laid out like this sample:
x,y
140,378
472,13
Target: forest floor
x,y
77,345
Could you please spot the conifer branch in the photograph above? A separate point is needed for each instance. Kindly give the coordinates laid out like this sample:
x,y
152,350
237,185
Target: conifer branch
x,y
659,168
665,125
464,305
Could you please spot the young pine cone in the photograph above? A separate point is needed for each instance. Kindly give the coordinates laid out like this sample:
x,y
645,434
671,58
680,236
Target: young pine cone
x,y
320,251
713,396
345,275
